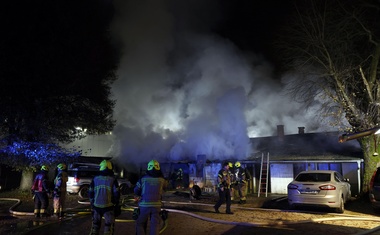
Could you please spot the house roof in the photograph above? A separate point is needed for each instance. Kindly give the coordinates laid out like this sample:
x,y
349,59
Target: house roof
x,y
306,146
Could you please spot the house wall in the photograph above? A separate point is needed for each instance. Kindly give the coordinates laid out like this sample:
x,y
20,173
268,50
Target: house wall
x,y
208,181
280,173
280,176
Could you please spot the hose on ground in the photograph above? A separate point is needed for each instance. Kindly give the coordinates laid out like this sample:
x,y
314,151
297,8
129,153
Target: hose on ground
x,y
372,218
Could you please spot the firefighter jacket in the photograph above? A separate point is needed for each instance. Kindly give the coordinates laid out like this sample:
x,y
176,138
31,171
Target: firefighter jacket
x,y
104,190
40,183
239,173
60,183
179,175
150,189
224,179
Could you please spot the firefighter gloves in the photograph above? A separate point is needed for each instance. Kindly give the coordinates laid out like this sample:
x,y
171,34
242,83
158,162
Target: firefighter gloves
x,y
164,214
117,210
136,213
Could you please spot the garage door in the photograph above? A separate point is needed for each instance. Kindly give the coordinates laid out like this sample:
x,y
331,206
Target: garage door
x,y
280,175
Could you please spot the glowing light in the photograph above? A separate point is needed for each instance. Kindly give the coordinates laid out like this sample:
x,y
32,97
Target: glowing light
x,y
35,153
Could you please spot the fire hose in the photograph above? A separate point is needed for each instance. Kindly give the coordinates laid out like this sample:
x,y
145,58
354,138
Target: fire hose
x,y
81,212
131,208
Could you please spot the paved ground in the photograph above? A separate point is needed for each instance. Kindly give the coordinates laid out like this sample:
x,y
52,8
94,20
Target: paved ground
x,y
197,217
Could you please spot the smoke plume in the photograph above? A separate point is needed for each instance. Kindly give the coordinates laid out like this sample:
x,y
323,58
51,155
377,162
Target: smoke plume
x,y
183,90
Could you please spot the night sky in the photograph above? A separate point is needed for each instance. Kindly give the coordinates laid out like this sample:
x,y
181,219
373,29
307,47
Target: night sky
x,y
252,25
199,77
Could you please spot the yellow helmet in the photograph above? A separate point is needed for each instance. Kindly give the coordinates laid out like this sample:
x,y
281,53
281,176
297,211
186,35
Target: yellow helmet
x,y
153,164
105,164
230,164
237,164
61,166
44,168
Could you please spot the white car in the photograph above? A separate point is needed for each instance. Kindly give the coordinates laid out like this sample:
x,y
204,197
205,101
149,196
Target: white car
x,y
319,188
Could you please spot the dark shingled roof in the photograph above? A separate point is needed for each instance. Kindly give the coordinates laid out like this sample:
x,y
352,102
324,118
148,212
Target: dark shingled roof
x,y
316,146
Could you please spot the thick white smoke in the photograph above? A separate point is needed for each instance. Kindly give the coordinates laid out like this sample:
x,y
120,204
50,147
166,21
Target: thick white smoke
x,y
184,91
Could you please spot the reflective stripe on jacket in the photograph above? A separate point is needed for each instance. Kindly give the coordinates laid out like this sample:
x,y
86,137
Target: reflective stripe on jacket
x,y
104,191
60,181
224,178
40,183
150,189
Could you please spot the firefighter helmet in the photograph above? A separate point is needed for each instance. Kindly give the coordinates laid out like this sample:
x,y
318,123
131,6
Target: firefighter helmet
x,y
105,164
61,166
230,164
44,168
237,164
153,164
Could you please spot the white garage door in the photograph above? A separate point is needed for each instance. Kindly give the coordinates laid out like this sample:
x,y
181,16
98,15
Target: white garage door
x,y
280,175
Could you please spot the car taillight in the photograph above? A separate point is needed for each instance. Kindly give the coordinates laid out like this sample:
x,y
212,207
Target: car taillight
x,y
292,186
327,187
76,179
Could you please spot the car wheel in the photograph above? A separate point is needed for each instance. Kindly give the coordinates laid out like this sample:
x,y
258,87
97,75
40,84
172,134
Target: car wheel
x,y
124,189
83,192
340,209
292,206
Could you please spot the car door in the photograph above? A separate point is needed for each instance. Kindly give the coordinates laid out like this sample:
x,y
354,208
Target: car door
x,y
344,185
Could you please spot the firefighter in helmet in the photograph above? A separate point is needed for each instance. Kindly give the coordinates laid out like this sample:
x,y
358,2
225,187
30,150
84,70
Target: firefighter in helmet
x,y
179,179
240,182
148,191
224,185
41,191
59,192
104,198
232,177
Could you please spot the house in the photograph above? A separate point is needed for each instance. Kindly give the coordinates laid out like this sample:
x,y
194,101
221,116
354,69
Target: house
x,y
290,154
287,155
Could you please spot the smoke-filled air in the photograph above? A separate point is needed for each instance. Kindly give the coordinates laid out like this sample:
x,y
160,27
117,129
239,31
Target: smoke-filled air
x,y
183,90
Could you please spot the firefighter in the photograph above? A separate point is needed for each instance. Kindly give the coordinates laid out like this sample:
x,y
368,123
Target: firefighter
x,y
41,192
104,198
59,192
240,182
224,185
148,192
179,178
231,170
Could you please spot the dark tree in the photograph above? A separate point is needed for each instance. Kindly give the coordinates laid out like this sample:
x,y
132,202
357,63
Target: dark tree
x,y
333,48
57,62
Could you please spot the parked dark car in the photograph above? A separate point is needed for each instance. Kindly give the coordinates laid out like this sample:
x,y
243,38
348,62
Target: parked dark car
x,y
319,188
374,189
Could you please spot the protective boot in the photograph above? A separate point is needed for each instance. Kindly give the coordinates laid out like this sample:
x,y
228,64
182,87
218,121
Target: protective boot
x,y
108,229
61,215
242,201
94,230
37,213
43,213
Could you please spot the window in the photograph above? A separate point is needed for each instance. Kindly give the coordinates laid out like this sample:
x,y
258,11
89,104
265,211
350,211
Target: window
x,y
313,177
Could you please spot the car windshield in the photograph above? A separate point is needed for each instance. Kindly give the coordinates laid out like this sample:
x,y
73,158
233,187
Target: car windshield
x,y
313,177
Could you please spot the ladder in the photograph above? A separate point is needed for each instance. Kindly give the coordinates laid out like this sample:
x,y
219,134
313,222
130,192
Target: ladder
x,y
263,181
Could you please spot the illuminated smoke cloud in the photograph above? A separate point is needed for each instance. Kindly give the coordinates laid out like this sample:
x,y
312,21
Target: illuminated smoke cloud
x,y
183,91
